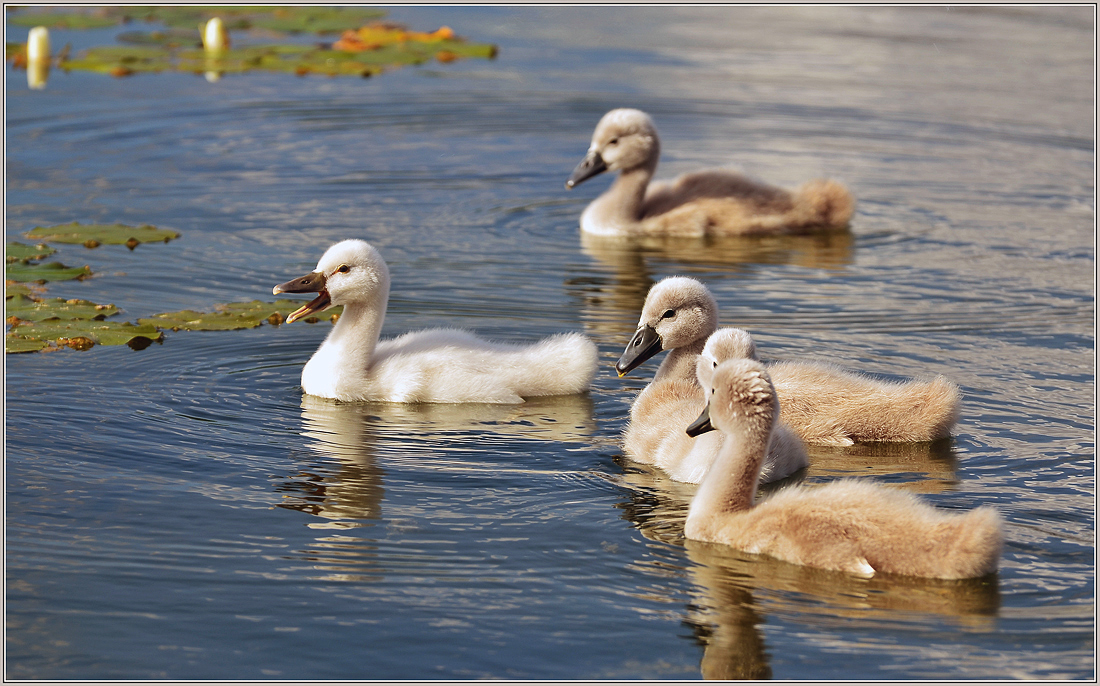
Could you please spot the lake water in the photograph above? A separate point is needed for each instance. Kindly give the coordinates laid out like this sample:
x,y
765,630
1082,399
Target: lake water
x,y
183,512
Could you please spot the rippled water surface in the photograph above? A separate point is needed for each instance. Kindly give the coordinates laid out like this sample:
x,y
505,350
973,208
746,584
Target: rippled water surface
x,y
183,512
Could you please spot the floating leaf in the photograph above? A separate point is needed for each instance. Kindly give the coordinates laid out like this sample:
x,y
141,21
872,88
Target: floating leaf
x,y
81,334
18,344
12,289
245,315
289,19
172,38
20,252
92,235
62,20
41,273
27,309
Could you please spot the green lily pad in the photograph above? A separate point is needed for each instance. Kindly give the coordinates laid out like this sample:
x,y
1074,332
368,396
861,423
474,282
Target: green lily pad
x,y
245,315
172,38
27,309
12,289
92,235
18,344
82,334
62,20
294,19
21,252
41,273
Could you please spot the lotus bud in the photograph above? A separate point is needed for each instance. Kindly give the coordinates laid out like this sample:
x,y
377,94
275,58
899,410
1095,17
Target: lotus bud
x,y
38,44
38,72
214,36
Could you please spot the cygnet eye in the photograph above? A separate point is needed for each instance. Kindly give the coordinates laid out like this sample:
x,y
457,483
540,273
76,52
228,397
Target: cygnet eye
x,y
716,364
669,314
613,141
343,269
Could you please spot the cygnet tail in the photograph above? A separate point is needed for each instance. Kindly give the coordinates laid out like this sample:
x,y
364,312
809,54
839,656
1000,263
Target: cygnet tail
x,y
563,364
824,203
916,411
975,549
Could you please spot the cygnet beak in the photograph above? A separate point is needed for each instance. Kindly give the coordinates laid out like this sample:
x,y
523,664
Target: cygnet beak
x,y
313,282
645,344
591,165
702,424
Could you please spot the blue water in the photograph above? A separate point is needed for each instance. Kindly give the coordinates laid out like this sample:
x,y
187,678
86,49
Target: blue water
x,y
183,512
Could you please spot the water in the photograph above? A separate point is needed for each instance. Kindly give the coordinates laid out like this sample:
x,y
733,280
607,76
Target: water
x,y
182,512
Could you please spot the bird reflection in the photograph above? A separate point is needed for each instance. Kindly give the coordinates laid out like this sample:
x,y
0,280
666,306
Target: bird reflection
x,y
612,305
928,467
734,592
347,484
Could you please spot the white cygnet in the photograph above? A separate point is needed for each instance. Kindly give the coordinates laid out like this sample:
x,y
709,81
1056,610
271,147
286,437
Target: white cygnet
x,y
432,366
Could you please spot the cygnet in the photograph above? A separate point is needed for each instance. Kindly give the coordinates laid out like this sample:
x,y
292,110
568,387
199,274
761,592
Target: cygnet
x,y
851,526
706,203
827,405
431,366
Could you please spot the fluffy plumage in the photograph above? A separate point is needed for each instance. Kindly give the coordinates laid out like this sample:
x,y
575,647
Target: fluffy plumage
x,y
679,314
434,365
851,526
827,405
713,202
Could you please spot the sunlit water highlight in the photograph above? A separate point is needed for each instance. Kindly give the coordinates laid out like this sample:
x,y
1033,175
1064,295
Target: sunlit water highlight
x,y
183,512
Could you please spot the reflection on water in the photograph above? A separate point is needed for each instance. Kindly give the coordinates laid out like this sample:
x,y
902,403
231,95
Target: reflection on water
x,y
489,541
347,483
927,467
736,592
634,264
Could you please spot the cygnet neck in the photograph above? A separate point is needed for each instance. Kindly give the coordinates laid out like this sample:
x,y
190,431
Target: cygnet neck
x,y
345,356
680,362
621,204
730,483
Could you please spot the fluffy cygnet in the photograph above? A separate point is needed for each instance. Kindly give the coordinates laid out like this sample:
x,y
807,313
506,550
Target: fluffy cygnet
x,y
827,405
851,526
679,314
434,365
713,202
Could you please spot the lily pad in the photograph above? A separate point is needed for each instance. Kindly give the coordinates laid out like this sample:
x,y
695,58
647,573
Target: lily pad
x,y
63,19
21,252
26,309
41,273
18,344
364,51
12,289
81,334
292,19
244,315
93,235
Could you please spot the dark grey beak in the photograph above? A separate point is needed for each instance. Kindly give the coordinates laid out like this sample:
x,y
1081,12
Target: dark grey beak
x,y
702,424
313,282
645,344
591,165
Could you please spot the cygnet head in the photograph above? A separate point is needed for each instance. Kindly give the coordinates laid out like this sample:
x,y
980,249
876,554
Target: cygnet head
x,y
624,139
678,311
729,343
349,273
741,396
